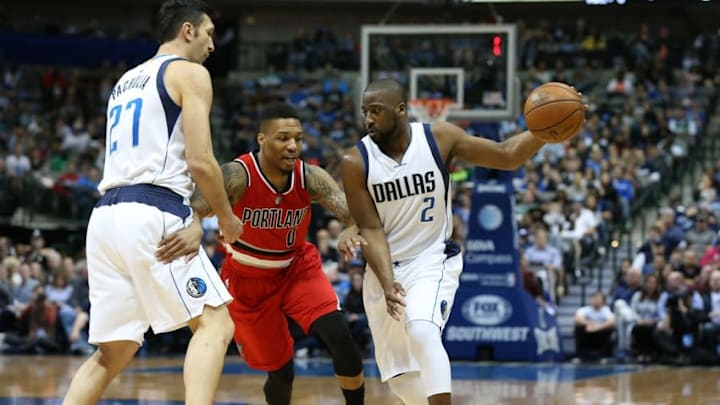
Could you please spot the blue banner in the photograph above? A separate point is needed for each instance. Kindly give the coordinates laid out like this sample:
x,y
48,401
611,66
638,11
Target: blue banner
x,y
68,50
493,316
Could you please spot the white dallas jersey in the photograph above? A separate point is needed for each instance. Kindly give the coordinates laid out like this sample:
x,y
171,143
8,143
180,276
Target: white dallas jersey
x,y
412,197
144,139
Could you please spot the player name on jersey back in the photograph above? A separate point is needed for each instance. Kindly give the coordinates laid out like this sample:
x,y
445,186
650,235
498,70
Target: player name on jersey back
x,y
137,82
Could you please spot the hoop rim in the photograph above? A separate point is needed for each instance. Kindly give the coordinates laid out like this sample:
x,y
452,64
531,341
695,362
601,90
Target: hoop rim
x,y
433,109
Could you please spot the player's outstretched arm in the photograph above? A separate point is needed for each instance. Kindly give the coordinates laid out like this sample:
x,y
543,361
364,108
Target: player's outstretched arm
x,y
235,180
323,189
186,242
507,155
192,86
377,251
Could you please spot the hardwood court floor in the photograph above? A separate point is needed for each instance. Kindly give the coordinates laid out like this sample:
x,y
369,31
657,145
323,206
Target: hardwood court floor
x,y
41,380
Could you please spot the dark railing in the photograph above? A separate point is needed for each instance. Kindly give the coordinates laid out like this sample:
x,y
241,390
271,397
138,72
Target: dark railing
x,y
621,235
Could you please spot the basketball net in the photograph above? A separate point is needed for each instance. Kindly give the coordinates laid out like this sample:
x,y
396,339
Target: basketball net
x,y
430,109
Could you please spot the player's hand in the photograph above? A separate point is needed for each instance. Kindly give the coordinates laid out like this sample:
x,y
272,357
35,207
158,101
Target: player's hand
x,y
185,242
230,229
394,300
350,241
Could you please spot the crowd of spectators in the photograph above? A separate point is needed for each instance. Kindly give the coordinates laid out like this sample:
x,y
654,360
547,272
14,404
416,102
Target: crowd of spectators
x,y
666,298
648,96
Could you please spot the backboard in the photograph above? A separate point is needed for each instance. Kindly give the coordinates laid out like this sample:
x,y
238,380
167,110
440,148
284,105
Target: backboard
x,y
472,64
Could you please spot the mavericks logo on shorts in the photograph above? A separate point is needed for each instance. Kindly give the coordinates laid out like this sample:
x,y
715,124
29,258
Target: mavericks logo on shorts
x,y
196,287
443,310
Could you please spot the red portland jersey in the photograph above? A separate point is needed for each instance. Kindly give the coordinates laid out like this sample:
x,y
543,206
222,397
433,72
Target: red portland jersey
x,y
275,222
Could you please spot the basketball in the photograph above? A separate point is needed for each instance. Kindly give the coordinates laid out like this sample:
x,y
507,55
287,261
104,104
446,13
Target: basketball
x,y
554,112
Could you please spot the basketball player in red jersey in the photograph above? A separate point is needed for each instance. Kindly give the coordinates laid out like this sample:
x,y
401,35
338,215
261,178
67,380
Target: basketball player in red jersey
x,y
272,271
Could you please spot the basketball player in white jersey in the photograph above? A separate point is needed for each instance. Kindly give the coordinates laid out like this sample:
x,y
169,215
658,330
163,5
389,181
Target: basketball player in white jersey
x,y
158,144
398,189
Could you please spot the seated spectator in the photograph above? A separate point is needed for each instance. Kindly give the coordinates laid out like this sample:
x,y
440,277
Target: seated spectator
x,y
621,307
676,334
674,287
583,231
674,233
23,290
76,314
657,264
711,329
541,255
712,254
355,311
7,315
645,307
621,84
700,237
651,246
18,164
328,252
689,267
60,290
594,325
38,327
625,291
531,283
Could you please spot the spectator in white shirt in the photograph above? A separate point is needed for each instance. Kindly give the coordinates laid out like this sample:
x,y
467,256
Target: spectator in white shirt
x,y
542,255
17,164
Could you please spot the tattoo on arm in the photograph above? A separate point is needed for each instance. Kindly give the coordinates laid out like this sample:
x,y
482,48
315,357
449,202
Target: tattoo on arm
x,y
323,189
200,205
235,178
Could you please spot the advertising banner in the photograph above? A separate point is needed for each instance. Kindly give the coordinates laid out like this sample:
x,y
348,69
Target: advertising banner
x,y
493,317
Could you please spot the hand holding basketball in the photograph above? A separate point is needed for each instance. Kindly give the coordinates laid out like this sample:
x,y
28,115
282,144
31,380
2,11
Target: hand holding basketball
x,y
554,112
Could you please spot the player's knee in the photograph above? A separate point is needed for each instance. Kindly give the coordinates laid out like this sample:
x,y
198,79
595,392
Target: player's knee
x,y
423,333
408,387
217,321
227,326
333,331
278,386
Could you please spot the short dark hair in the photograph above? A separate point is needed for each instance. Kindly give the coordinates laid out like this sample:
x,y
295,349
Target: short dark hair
x,y
173,13
275,111
390,85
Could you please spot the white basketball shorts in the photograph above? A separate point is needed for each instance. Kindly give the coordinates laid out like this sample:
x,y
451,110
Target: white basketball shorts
x,y
129,289
430,281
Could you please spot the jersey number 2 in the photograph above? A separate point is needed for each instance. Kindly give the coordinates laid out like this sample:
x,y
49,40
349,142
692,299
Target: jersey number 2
x,y
425,214
115,112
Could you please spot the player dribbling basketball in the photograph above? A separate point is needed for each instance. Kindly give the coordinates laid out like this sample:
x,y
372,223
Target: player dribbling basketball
x,y
398,189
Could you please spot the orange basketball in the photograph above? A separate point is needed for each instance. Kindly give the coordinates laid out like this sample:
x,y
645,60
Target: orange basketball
x,y
554,112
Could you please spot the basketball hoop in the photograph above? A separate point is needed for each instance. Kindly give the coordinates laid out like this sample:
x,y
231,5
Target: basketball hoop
x,y
430,109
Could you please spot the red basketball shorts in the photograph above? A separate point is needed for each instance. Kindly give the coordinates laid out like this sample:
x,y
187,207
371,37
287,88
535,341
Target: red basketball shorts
x,y
264,297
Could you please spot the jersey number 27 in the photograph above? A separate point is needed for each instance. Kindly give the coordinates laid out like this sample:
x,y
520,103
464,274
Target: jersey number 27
x,y
115,113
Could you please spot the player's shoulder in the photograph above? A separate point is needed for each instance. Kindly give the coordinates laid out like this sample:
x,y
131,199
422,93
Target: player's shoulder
x,y
446,134
240,164
444,128
236,174
183,71
352,156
